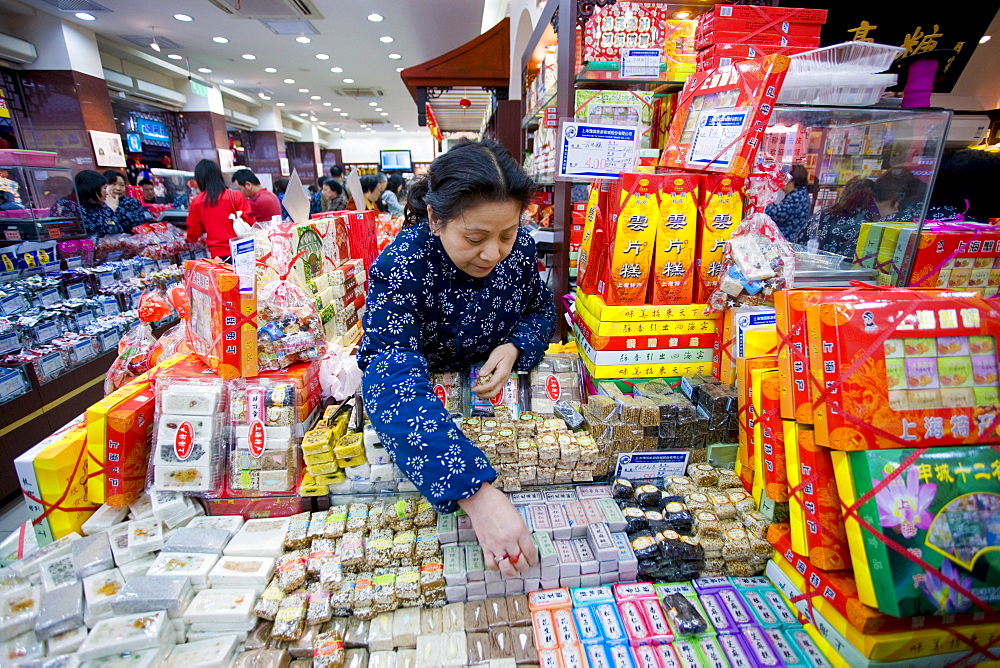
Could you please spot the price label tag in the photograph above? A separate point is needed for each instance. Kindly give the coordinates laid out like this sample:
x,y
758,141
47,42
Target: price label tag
x,y
83,350
47,332
648,465
115,256
55,232
641,63
54,266
148,265
74,262
9,343
83,319
127,272
49,297
109,306
8,276
589,151
244,261
51,364
12,383
76,291
11,235
12,304
108,340
105,279
133,299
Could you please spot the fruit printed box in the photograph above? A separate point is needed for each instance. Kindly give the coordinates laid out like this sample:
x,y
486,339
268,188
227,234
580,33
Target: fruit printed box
x,y
942,507
957,259
906,371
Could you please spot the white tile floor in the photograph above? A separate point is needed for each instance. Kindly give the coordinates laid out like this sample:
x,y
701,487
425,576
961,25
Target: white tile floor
x,y
12,516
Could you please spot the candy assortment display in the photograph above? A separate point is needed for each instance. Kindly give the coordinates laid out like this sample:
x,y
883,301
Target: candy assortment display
x,y
189,439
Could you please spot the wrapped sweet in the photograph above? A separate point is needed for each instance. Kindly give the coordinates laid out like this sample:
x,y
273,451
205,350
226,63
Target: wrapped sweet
x,y
290,620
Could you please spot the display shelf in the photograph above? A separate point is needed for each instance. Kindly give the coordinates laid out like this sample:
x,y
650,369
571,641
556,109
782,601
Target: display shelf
x,y
532,118
607,74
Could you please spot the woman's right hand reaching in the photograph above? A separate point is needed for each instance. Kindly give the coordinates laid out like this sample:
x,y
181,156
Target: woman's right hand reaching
x,y
502,534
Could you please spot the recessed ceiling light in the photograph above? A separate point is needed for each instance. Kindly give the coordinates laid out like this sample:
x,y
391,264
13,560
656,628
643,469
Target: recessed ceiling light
x,y
174,56
322,56
265,97
249,56
322,122
400,69
401,129
315,97
373,104
335,109
204,70
372,131
313,119
384,113
395,125
220,40
279,104
385,39
303,114
154,45
348,80
84,16
302,39
394,56
378,108
289,81
375,18
336,70
270,70
328,104
303,90
343,113
982,40
229,81
183,17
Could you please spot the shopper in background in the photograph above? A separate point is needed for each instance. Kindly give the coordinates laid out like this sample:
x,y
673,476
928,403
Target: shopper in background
x,y
316,203
792,213
280,188
966,185
149,193
265,204
370,193
97,217
8,202
333,196
383,182
838,225
337,173
213,210
393,193
129,211
458,286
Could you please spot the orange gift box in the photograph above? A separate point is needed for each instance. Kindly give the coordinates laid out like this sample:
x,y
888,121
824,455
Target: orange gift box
x,y
119,427
222,325
772,440
745,411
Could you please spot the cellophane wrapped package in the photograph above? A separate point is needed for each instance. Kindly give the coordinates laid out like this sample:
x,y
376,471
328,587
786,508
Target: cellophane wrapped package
x,y
221,327
557,377
190,437
265,418
136,347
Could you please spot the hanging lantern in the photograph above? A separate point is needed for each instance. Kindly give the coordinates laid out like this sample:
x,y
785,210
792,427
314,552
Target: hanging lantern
x,y
465,103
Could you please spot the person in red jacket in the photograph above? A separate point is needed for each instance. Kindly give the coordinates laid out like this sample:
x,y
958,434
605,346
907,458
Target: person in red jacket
x,y
214,209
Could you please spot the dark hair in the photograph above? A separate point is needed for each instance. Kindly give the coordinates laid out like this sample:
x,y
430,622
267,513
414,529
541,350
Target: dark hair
x,y
112,176
800,177
899,185
857,196
145,182
208,176
967,179
395,183
469,174
333,185
245,176
369,182
280,186
320,181
88,187
382,177
336,171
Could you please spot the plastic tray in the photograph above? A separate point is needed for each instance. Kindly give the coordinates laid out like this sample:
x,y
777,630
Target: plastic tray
x,y
848,56
852,89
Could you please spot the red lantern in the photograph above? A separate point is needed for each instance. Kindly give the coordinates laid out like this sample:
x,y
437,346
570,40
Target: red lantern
x,y
465,103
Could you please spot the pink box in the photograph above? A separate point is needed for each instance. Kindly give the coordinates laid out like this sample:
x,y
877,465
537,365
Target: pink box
x,y
28,158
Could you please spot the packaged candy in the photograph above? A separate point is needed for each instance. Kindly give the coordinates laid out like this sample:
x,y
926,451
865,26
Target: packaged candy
x,y
622,489
648,496
289,622
136,347
635,519
707,524
379,548
289,326
319,605
427,544
384,585
408,583
684,617
270,601
703,475
221,328
352,550
401,514
336,522
357,517
328,650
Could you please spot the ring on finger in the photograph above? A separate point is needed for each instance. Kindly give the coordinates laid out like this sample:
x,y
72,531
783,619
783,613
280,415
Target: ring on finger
x,y
503,557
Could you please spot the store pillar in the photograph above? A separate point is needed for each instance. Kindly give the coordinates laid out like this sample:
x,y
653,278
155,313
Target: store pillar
x,y
202,126
64,90
268,144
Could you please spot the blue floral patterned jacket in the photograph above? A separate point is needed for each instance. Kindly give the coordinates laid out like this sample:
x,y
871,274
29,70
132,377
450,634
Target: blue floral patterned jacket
x,y
424,315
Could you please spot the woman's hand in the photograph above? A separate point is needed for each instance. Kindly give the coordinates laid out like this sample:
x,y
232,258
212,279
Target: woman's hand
x,y
111,200
501,531
496,370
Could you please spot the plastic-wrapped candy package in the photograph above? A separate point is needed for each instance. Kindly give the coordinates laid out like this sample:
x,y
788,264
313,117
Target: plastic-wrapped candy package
x,y
264,419
400,516
207,653
684,617
149,593
100,589
291,570
378,548
622,488
289,326
196,567
264,537
703,475
269,603
555,378
127,633
57,571
357,517
363,595
331,574
222,610
61,647
678,518
352,550
253,572
341,596
384,594
290,621
61,610
328,650
189,436
187,539
707,524
136,347
648,496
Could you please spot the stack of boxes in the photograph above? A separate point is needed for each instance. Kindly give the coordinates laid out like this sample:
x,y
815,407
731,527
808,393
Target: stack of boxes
x,y
730,33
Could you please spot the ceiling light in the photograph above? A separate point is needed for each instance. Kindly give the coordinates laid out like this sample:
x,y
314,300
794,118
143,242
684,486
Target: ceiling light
x,y
395,125
229,81
336,70
328,104
384,113
322,56
378,108
154,46
682,14
220,40
204,70
84,16
348,80
174,56
394,56
183,17
372,131
279,104
270,70
400,69
303,114
375,18
335,109
303,90
982,40
262,95
249,56
401,129
322,122
343,113
313,119
373,104
315,97
385,39
289,81
265,97
302,39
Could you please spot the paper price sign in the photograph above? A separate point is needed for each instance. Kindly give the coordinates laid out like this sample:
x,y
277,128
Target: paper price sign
x,y
641,63
589,151
74,262
76,291
11,384
649,465
717,136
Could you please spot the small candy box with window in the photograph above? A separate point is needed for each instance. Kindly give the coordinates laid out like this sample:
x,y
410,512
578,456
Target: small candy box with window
x,y
190,434
222,324
267,429
901,371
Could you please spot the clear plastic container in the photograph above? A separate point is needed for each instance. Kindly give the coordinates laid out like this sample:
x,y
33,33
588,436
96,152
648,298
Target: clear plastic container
x,y
848,56
851,89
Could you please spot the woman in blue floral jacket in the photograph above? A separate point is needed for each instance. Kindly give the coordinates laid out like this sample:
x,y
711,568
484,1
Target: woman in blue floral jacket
x,y
458,286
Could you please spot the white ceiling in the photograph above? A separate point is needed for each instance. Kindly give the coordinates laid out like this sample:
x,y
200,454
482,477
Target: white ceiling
x,y
421,30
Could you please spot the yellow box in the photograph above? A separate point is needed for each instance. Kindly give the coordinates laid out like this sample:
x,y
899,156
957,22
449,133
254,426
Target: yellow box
x,y
318,458
645,328
324,468
606,313
119,426
605,372
348,462
331,478
349,446
53,479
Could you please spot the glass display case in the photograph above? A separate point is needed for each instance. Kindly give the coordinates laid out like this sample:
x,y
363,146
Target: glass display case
x,y
38,204
861,165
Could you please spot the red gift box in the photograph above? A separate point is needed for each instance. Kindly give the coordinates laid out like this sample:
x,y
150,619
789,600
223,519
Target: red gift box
x,y
222,325
724,55
623,25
